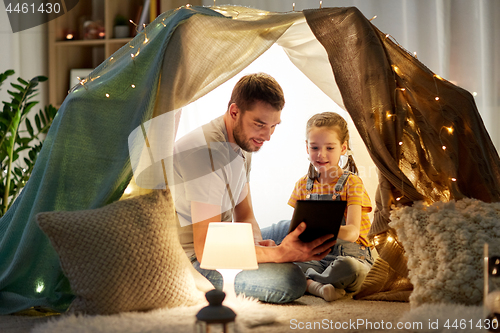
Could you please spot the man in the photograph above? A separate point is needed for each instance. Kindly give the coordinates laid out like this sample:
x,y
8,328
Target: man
x,y
212,167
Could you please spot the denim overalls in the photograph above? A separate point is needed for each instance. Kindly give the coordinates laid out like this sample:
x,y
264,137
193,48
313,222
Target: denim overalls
x,y
347,264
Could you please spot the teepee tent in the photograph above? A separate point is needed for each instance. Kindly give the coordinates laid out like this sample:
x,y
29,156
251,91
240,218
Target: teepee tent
x,y
421,131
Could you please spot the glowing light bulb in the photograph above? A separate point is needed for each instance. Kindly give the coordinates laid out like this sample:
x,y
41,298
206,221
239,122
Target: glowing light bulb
x,y
474,94
415,54
133,86
398,198
438,77
436,98
400,143
320,4
390,239
449,129
39,286
444,147
107,95
453,179
373,18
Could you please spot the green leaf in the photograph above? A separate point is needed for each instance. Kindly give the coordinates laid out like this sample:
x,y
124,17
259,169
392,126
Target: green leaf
x,y
37,122
28,107
22,81
20,149
6,120
29,127
18,172
17,96
18,87
28,162
23,141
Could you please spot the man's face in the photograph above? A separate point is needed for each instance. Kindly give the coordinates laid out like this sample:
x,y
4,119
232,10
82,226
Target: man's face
x,y
255,126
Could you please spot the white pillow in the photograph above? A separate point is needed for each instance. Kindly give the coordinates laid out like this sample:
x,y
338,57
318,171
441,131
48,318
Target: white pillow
x,y
444,244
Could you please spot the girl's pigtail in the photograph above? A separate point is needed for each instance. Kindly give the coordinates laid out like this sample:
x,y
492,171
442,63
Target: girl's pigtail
x,y
312,173
351,165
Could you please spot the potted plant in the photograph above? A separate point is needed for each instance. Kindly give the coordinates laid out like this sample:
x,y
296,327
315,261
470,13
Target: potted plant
x,y
20,145
121,28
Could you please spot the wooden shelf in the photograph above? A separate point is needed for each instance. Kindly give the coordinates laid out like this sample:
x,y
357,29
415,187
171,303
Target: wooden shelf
x,y
65,55
79,53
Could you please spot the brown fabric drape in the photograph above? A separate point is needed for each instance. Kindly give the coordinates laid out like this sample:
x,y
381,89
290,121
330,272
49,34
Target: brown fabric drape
x,y
423,133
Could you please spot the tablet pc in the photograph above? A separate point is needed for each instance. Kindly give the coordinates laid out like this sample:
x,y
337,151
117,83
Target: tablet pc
x,y
322,217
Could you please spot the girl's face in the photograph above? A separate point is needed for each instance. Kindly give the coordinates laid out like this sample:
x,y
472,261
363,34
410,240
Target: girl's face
x,y
324,148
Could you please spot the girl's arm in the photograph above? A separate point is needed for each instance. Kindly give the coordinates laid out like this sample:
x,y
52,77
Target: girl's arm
x,y
350,231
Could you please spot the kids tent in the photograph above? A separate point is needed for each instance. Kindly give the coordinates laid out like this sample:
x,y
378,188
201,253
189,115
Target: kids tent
x,y
423,133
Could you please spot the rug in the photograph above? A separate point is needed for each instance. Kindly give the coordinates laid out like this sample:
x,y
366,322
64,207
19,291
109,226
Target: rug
x,y
445,318
249,313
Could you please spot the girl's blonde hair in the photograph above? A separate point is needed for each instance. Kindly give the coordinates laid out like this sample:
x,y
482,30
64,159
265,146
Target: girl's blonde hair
x,y
338,124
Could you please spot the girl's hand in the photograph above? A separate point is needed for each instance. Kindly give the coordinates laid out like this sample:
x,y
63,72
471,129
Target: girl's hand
x,y
266,242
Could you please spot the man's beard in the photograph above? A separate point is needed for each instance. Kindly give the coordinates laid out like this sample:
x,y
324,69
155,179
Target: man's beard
x,y
240,138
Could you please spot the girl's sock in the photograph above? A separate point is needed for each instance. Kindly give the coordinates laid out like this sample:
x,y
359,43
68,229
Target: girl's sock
x,y
326,291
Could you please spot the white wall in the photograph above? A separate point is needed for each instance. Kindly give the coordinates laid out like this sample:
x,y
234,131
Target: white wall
x,y
26,53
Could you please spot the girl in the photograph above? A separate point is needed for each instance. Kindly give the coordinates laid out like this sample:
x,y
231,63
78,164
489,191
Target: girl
x,y
346,266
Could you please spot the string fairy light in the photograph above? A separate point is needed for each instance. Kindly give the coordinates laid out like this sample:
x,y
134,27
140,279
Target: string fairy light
x,y
320,4
373,18
293,6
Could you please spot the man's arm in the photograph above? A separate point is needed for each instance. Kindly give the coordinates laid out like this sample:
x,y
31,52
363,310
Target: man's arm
x,y
202,214
243,212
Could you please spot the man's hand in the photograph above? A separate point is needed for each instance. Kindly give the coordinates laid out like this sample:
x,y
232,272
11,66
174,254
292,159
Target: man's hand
x,y
293,249
266,242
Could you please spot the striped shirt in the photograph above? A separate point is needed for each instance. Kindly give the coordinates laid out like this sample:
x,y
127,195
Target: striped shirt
x,y
354,193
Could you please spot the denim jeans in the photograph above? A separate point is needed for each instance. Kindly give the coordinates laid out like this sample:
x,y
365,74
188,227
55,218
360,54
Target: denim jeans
x,y
271,282
345,267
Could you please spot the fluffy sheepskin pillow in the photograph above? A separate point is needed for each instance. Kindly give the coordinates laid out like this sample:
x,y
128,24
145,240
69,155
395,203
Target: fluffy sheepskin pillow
x,y
444,244
125,256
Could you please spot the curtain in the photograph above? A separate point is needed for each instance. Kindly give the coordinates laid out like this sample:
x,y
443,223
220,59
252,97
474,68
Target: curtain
x,y
26,53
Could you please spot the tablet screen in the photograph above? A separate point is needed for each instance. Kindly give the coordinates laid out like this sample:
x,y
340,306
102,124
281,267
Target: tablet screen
x,y
322,217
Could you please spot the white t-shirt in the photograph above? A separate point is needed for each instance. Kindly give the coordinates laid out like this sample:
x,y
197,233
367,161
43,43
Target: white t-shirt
x,y
207,169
